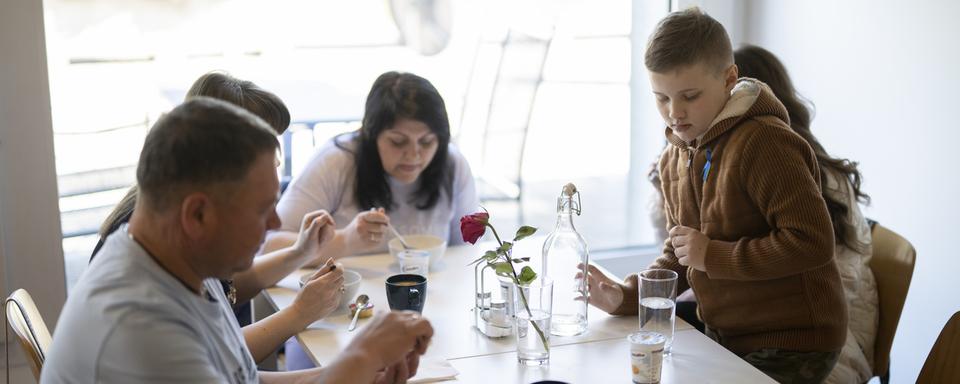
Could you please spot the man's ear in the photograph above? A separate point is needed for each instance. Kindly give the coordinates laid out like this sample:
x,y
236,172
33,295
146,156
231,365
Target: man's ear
x,y
731,74
197,215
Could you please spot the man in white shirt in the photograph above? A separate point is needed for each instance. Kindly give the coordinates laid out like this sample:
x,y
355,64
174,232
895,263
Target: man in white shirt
x,y
150,308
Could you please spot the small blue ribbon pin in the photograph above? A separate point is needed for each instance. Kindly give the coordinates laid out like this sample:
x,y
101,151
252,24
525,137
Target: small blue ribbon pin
x,y
706,167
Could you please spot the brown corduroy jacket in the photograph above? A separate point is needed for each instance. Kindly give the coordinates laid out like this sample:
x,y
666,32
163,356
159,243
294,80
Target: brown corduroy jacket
x,y
771,280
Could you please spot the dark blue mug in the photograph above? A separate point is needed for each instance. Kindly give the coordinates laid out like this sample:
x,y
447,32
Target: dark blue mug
x,y
406,292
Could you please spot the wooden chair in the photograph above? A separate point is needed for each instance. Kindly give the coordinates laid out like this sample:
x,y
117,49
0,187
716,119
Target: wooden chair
x,y
892,265
943,362
24,318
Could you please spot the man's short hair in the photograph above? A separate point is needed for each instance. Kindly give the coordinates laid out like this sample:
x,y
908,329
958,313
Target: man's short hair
x,y
686,38
200,143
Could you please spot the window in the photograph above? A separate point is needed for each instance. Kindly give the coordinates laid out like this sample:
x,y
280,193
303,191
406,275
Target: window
x,y
116,67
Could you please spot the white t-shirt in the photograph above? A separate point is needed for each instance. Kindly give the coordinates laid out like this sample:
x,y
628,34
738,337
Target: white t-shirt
x,y
328,180
129,321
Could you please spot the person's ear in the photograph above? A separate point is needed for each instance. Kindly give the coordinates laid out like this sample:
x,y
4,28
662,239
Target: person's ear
x,y
731,75
197,215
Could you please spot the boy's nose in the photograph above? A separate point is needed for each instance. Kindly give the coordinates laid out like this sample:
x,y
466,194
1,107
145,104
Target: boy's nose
x,y
676,111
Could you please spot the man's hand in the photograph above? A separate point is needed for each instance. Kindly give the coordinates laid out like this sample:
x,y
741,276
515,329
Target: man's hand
x,y
399,372
392,336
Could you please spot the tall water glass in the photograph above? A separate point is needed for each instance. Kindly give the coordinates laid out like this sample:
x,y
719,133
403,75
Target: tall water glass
x,y
533,307
658,294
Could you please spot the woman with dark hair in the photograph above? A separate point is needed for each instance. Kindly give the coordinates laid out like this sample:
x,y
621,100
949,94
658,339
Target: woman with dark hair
x,y
321,295
398,168
840,182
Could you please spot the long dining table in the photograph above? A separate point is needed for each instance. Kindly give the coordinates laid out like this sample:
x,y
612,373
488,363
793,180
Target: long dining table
x,y
601,355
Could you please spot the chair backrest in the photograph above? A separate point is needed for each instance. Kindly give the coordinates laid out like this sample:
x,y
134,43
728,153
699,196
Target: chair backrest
x,y
892,265
943,362
25,320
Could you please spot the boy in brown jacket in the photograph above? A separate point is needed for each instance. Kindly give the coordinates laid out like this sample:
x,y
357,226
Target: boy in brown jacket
x,y
749,230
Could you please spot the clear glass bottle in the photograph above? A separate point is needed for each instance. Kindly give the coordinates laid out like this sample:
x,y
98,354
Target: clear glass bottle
x,y
565,255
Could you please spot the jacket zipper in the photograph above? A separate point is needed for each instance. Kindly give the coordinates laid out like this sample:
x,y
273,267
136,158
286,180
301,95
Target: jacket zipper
x,y
692,174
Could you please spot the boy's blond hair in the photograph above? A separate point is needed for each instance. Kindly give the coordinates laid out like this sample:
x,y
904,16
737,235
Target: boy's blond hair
x,y
686,38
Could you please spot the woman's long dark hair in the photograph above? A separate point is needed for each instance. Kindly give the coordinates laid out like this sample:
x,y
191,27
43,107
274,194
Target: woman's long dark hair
x,y
395,96
762,65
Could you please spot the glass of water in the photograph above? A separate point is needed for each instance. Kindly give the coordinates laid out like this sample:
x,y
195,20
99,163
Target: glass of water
x,y
533,308
414,262
658,293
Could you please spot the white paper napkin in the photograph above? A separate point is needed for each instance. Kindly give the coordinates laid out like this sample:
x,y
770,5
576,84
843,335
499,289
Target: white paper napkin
x,y
434,369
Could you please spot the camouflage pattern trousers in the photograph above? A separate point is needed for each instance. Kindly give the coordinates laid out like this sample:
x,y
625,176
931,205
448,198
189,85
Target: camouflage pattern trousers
x,y
789,367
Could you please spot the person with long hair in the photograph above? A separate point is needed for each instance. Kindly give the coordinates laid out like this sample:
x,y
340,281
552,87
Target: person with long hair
x,y
398,168
840,182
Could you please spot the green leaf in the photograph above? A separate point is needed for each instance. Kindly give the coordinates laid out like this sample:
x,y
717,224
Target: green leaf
x,y
488,256
527,275
506,247
523,232
503,268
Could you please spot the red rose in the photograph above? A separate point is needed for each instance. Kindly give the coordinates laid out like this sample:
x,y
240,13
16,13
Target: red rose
x,y
473,226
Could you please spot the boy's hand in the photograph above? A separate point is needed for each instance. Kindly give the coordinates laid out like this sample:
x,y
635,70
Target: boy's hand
x,y
690,246
605,292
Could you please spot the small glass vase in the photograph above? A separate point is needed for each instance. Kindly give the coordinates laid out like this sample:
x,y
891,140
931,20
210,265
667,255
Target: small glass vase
x,y
533,308
493,309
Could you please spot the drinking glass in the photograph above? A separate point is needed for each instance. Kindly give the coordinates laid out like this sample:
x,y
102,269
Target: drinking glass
x,y
658,294
532,308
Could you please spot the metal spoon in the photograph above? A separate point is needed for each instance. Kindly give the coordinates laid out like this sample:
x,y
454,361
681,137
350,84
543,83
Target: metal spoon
x,y
397,234
361,305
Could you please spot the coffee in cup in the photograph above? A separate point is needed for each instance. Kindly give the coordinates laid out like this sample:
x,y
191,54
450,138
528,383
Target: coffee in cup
x,y
406,292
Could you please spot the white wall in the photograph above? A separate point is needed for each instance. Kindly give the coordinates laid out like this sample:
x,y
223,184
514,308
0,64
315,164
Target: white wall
x,y
30,253
885,78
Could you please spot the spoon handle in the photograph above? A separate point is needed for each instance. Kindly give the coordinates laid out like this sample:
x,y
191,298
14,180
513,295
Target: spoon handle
x,y
356,315
397,234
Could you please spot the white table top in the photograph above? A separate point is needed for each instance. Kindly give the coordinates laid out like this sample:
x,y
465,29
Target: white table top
x,y
695,359
449,303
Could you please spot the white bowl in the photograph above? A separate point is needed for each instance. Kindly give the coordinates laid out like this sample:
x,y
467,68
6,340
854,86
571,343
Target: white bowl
x,y
430,243
351,284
